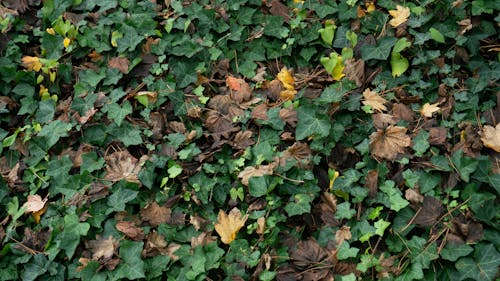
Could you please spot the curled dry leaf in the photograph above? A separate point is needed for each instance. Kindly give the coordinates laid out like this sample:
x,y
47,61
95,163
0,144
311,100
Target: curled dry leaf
x,y
491,137
399,16
261,225
250,171
34,204
390,142
130,230
373,99
102,247
403,112
355,71
240,90
228,225
428,109
343,234
122,165
413,196
289,115
243,139
151,97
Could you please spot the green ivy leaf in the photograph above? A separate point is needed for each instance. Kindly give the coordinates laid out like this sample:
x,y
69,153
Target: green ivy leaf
x,y
380,51
453,251
396,201
301,204
484,265
344,251
311,124
132,265
436,35
421,252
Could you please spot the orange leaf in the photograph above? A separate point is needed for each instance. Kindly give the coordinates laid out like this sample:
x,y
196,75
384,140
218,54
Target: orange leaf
x,y
31,63
227,226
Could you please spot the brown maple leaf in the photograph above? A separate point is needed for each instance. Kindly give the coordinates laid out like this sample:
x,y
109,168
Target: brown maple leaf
x,y
390,142
243,139
373,99
250,171
355,71
156,245
122,165
130,230
156,214
120,63
289,115
343,234
102,247
240,90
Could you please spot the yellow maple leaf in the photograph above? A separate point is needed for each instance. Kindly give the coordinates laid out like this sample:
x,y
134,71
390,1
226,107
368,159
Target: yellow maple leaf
x,y
491,137
428,109
399,16
374,100
227,226
31,63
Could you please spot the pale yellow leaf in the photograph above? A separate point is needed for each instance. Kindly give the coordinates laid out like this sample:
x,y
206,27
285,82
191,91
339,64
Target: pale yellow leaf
x,y
31,63
399,16
250,171
374,100
286,78
491,137
34,204
227,226
428,109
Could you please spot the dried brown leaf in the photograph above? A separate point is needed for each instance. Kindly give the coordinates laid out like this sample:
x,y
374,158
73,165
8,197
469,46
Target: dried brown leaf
x,y
390,142
491,137
156,214
343,234
289,115
120,63
102,247
260,112
371,182
414,196
383,120
240,90
243,139
403,112
355,71
437,135
429,213
250,171
130,230
373,99
122,165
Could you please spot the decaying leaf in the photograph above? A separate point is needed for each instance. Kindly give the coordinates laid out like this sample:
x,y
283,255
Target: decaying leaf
x,y
430,212
413,196
343,234
228,225
243,139
371,182
402,112
355,71
373,99
156,245
390,142
102,247
261,225
289,115
122,165
240,90
31,63
399,16
34,204
130,229
428,109
491,137
156,214
251,171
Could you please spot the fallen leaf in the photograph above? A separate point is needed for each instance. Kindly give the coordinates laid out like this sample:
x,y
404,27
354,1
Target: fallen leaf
x,y
202,240
402,112
355,71
390,142
371,182
95,56
243,139
120,63
261,225
279,9
240,90
197,222
491,137
428,109
399,16
31,63
374,100
34,204
343,234
437,135
413,196
219,124
151,97
430,211
287,80
103,248
382,120
227,226
156,214
260,112
130,230
251,171
122,165
289,115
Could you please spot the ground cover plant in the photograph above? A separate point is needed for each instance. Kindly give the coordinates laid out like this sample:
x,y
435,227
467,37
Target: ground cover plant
x,y
249,140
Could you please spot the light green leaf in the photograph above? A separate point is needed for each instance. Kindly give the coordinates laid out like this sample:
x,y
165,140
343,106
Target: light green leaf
x,y
344,211
301,204
399,64
396,201
436,35
345,252
380,227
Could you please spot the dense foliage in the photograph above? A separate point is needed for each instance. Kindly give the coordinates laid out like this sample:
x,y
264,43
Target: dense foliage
x,y
249,140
